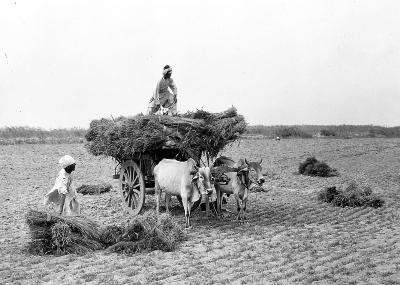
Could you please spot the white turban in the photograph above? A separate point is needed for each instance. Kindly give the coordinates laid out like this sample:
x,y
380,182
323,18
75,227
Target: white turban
x,y
165,71
66,161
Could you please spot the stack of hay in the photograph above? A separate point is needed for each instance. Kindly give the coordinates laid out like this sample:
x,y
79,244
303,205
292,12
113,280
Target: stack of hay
x,y
86,189
191,133
312,167
350,194
148,232
61,235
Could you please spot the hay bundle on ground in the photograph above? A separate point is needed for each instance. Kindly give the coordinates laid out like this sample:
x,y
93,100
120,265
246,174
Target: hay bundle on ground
x,y
258,188
312,167
98,189
351,195
148,232
190,133
61,235
111,235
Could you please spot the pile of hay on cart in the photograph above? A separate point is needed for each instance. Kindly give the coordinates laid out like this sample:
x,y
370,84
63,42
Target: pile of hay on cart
x,y
192,134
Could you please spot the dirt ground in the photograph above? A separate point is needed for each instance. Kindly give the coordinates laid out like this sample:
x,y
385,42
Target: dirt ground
x,y
289,238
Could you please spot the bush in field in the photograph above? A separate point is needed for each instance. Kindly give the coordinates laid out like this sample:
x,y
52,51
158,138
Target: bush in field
x,y
312,167
29,135
287,132
350,195
327,133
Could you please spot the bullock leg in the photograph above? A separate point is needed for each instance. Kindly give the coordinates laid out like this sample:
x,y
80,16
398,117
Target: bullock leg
x,y
189,207
219,201
244,211
186,207
238,206
207,206
244,202
158,196
167,202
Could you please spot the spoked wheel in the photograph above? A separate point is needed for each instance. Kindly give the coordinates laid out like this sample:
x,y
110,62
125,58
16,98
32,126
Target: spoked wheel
x,y
194,206
132,186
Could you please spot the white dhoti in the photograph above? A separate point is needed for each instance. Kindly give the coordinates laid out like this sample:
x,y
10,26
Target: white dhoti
x,y
61,187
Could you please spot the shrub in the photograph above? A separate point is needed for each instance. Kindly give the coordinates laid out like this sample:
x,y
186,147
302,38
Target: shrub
x,y
327,133
287,132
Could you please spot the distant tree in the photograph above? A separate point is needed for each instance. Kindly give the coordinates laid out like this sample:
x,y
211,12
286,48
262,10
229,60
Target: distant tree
x,y
327,133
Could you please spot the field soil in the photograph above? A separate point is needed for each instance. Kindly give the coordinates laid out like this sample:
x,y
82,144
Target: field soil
x,y
289,237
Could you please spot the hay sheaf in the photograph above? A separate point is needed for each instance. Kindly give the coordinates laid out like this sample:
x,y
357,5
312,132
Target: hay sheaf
x,y
98,189
190,133
149,232
313,167
59,235
350,195
111,235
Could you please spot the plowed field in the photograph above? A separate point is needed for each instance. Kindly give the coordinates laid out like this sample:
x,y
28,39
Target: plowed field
x,y
289,238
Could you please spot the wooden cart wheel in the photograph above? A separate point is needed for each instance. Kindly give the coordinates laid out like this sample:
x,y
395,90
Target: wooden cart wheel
x,y
132,186
194,206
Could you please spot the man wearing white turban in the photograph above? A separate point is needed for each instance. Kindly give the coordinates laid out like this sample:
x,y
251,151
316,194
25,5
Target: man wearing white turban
x,y
62,193
162,98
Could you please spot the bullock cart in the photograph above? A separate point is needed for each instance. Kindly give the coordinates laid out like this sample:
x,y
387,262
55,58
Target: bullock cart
x,y
138,143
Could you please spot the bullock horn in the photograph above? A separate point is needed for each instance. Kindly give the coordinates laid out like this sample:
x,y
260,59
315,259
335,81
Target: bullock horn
x,y
261,160
243,170
245,160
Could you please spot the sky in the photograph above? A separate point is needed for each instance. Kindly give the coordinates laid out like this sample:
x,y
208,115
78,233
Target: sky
x,y
320,62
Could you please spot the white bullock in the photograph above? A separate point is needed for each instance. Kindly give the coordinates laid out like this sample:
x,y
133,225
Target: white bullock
x,y
181,178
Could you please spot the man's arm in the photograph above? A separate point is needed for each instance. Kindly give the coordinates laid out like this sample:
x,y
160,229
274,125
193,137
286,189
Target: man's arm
x,y
62,202
173,88
63,191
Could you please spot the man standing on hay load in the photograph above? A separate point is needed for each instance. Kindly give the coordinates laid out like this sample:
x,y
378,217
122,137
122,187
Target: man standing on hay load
x,y
163,101
62,193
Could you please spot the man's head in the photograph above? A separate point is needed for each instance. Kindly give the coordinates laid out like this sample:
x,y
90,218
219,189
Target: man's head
x,y
167,71
70,168
68,163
